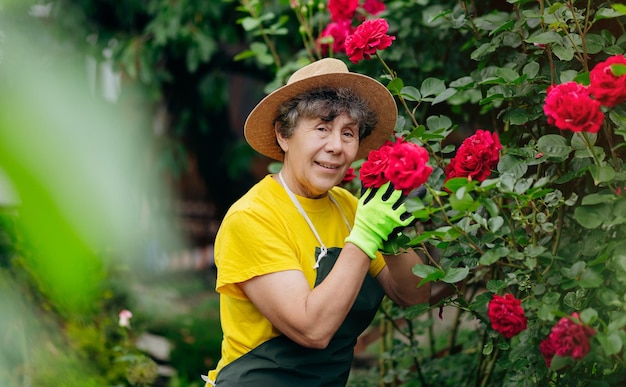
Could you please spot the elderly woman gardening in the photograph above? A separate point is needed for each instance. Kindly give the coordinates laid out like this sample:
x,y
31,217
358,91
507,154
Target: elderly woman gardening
x,y
300,274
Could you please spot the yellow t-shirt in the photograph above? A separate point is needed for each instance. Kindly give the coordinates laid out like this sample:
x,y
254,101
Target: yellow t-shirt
x,y
262,233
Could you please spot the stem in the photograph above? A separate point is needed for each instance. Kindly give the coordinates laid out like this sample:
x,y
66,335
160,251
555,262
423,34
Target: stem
x,y
481,358
584,58
490,366
393,76
413,344
557,236
591,149
266,39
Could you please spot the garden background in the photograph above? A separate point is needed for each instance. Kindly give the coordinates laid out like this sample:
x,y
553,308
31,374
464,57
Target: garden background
x,y
121,148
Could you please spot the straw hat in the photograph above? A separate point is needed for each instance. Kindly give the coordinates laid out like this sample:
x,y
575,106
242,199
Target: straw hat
x,y
327,72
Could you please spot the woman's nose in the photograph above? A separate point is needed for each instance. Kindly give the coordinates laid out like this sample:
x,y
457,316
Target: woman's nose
x,y
333,142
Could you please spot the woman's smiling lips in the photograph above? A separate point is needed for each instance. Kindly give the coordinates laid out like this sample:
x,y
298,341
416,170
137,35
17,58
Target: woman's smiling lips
x,y
328,166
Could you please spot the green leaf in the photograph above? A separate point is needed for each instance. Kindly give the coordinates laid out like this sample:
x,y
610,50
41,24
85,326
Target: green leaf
x,y
621,8
411,93
447,93
432,86
435,123
395,86
559,362
606,13
462,201
601,174
582,140
507,74
597,198
495,223
618,69
482,51
589,316
493,255
563,53
455,274
590,278
416,310
531,69
488,348
512,165
554,146
611,343
250,23
427,273
548,37
494,286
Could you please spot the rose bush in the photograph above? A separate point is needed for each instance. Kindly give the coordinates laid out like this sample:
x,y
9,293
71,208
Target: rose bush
x,y
530,207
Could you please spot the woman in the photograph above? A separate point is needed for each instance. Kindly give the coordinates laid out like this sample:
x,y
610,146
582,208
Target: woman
x,y
299,272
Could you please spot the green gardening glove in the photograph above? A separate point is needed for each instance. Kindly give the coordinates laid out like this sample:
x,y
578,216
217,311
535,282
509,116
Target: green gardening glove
x,y
379,214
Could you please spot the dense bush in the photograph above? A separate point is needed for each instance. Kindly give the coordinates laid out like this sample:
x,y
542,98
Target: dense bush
x,y
525,123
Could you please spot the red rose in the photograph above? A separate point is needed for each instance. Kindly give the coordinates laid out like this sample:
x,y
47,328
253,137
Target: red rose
x,y
407,167
373,7
372,170
571,338
342,9
339,31
568,337
349,176
569,106
369,37
605,86
506,315
547,350
477,156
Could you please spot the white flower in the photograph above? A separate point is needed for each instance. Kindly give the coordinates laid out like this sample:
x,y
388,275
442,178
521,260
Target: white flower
x,y
125,316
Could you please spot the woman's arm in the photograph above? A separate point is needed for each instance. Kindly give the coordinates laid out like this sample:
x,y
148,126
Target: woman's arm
x,y
310,317
399,282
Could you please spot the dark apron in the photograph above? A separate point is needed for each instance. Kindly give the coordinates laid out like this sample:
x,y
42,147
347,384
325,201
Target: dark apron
x,y
281,362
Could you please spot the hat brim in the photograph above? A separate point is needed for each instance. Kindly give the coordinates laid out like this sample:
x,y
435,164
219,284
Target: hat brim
x,y
259,127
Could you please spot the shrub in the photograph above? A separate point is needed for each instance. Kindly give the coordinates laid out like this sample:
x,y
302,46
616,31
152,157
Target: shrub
x,y
544,227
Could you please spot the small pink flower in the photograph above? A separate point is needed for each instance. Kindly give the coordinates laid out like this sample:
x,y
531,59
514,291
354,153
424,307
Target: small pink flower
x,y
125,316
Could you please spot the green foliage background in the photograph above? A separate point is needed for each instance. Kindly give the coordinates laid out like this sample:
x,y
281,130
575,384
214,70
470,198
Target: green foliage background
x,y
548,227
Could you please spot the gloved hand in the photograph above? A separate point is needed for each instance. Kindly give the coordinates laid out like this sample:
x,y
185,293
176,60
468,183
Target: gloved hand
x,y
379,214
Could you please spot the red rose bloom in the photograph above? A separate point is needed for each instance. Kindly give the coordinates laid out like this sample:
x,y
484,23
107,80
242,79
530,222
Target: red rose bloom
x,y
369,37
605,86
547,350
341,10
373,7
339,31
372,170
506,315
349,176
403,163
571,338
568,337
477,156
407,167
569,106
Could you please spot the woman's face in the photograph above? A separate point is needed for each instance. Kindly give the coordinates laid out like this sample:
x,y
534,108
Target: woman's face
x,y
318,154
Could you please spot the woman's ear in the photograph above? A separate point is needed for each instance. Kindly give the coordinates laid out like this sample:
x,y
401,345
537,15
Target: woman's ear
x,y
282,141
